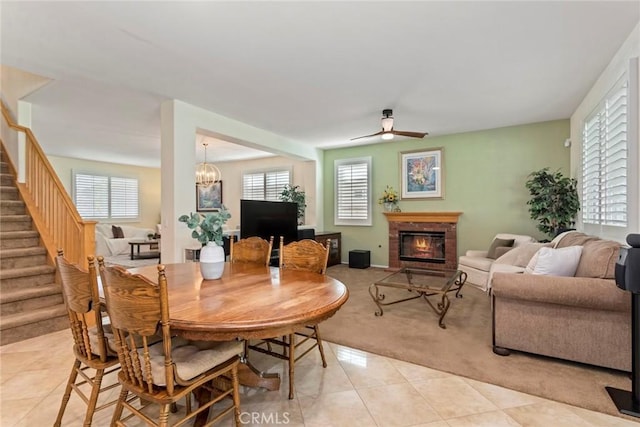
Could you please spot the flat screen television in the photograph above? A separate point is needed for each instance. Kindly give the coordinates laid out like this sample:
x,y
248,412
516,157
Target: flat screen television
x,y
265,219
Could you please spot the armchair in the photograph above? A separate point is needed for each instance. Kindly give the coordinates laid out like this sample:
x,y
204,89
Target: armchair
x,y
478,263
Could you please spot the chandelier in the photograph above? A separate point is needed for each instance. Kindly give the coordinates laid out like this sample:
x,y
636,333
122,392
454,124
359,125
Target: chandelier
x,y
207,173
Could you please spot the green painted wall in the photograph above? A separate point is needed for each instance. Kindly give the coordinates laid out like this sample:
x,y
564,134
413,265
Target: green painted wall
x,y
484,176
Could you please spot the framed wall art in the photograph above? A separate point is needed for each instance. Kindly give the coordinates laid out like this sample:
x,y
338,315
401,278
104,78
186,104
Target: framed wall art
x,y
209,197
421,174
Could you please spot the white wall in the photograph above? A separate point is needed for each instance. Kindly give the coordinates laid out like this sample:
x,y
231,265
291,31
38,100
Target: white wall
x,y
616,68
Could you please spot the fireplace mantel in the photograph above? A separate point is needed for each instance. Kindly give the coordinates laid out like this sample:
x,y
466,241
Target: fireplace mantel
x,y
451,217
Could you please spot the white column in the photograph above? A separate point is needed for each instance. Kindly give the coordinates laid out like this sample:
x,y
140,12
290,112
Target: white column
x,y
177,179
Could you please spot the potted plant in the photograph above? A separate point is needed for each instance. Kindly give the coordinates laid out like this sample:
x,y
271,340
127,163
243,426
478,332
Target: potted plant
x,y
554,201
207,229
296,195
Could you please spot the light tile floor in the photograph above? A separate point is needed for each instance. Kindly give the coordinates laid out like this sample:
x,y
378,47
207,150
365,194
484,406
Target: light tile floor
x,y
356,389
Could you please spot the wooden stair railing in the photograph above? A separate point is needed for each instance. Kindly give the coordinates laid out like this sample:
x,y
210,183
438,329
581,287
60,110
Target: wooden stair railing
x,y
53,213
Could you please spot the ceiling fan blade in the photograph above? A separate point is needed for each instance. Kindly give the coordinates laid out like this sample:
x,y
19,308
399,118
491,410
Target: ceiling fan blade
x,y
409,134
368,136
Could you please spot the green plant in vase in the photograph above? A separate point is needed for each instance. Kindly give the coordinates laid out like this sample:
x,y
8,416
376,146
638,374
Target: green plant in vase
x,y
208,230
207,227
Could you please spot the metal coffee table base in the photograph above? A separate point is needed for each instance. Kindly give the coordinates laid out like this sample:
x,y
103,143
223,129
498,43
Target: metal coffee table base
x,y
454,283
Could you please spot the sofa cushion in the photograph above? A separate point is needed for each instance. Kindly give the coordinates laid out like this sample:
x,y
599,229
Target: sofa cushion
x,y
498,243
479,263
118,246
598,259
521,255
104,229
572,238
555,262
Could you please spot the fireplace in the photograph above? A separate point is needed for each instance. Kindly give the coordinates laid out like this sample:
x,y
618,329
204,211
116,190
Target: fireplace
x,y
411,232
426,246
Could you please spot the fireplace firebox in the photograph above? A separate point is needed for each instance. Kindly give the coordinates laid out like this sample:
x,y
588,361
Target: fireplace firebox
x,y
422,246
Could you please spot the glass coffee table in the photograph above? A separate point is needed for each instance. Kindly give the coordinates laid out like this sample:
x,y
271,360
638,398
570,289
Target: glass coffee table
x,y
422,283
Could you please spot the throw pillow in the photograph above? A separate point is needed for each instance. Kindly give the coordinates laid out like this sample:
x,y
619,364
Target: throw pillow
x,y
555,262
521,255
491,253
117,232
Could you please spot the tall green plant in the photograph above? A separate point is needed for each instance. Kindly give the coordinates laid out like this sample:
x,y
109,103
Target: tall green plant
x,y
296,195
554,200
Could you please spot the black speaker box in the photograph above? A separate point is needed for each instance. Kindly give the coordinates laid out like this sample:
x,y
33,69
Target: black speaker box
x,y
359,258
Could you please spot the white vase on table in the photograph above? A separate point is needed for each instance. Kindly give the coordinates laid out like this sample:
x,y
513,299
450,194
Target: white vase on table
x,y
212,261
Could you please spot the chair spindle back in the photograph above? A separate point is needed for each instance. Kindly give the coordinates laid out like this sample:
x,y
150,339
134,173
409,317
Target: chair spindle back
x,y
254,250
80,291
137,308
306,254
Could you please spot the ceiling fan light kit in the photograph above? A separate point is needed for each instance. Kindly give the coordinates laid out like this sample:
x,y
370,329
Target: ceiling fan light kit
x,y
387,132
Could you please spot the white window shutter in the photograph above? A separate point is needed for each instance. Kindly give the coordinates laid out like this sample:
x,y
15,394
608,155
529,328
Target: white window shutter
x,y
604,161
105,197
253,186
353,192
124,198
264,185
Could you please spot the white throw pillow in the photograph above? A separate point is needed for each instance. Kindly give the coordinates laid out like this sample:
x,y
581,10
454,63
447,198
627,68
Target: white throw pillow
x,y
555,262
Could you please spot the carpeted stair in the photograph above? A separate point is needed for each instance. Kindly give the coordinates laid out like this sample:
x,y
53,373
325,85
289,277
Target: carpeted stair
x,y
31,303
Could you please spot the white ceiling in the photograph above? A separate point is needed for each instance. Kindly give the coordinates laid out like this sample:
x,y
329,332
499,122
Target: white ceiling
x,y
318,73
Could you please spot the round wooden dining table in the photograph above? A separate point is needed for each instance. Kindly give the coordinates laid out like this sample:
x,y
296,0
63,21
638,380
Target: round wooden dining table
x,y
248,301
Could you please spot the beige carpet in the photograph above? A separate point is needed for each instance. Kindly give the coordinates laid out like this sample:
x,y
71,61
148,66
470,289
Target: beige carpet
x,y
409,331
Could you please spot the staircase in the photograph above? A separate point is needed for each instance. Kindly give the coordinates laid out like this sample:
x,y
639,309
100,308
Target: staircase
x,y
31,303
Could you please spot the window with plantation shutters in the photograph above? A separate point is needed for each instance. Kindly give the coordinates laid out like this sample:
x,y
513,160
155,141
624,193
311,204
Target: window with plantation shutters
x,y
106,197
124,198
264,185
353,191
91,194
604,161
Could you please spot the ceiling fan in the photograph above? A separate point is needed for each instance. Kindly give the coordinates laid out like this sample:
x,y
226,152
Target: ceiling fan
x,y
388,132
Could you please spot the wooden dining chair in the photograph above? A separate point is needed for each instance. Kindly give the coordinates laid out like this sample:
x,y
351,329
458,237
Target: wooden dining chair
x,y
307,255
254,250
94,359
164,372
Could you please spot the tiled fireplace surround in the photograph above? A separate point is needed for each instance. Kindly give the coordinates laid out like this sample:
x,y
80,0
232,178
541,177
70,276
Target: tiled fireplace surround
x,y
422,222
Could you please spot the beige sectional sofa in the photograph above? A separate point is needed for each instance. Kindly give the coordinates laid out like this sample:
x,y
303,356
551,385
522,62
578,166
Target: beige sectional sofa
x,y
585,318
